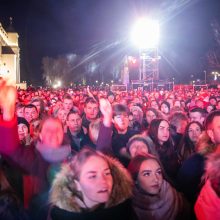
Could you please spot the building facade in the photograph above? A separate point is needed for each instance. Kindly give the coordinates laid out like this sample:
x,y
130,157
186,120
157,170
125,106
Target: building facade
x,y
9,54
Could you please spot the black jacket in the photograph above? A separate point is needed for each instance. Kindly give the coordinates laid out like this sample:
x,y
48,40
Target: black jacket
x,y
84,140
122,211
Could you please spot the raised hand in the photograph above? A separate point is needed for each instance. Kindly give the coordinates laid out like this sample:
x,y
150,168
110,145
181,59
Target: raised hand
x,y
8,95
89,92
105,107
106,110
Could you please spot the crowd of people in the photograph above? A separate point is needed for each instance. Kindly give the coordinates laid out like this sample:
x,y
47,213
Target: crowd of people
x,y
82,153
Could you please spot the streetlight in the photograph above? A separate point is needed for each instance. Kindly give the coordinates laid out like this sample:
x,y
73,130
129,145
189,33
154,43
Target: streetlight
x,y
145,36
205,76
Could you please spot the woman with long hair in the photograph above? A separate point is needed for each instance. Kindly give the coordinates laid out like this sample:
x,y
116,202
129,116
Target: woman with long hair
x,y
153,196
91,186
187,145
159,132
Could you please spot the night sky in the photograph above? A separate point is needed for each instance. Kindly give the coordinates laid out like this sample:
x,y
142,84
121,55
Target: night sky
x,y
55,27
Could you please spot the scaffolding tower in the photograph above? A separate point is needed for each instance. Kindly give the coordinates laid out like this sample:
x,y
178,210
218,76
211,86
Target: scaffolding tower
x,y
149,64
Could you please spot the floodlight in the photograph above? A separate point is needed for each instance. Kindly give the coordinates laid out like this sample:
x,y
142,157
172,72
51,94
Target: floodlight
x,y
145,33
59,83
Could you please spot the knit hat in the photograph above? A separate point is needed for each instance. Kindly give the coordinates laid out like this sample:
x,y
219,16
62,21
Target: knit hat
x,y
146,140
22,120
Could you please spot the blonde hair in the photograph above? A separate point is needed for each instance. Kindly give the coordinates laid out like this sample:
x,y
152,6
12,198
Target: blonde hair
x,y
64,187
205,145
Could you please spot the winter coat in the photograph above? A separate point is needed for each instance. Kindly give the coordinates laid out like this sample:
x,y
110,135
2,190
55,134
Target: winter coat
x,y
81,138
10,178
189,176
103,143
64,197
207,206
85,122
34,161
37,161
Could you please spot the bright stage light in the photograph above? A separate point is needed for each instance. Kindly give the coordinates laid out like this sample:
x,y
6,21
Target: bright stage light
x,y
145,34
57,84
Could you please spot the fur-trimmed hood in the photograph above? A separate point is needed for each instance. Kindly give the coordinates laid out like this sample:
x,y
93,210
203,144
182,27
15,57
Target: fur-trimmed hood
x,y
64,193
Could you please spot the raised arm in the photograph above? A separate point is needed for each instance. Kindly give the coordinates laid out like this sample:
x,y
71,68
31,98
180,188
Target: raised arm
x,y
8,123
106,110
8,95
104,142
89,92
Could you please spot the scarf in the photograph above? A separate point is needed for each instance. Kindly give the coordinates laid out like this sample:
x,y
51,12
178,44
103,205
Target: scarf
x,y
164,206
53,155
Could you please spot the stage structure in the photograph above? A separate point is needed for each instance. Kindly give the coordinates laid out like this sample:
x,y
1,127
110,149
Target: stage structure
x,y
149,65
151,85
145,35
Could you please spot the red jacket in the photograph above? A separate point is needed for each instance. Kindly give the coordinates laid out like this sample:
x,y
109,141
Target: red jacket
x,y
28,159
207,206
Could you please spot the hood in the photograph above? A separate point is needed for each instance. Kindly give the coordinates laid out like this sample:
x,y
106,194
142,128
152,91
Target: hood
x,y
64,193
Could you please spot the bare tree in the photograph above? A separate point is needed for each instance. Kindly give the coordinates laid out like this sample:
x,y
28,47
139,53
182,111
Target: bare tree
x,y
60,68
213,55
